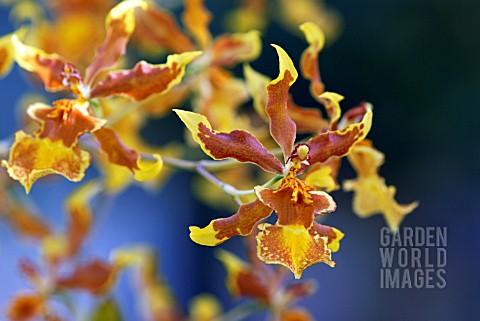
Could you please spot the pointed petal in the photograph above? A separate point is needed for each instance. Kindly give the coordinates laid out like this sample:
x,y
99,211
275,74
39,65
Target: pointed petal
x,y
282,128
145,79
339,142
48,67
241,223
237,144
32,158
96,277
229,50
120,23
372,195
292,246
66,121
159,28
331,101
334,235
309,60
196,18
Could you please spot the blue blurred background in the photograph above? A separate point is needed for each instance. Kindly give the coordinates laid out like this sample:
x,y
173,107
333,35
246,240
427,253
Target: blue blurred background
x,y
418,62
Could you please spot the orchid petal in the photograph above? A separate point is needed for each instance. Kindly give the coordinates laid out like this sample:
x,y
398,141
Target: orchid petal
x,y
231,49
339,142
145,79
48,67
372,195
120,23
293,246
282,128
237,144
159,28
309,60
196,19
32,158
241,223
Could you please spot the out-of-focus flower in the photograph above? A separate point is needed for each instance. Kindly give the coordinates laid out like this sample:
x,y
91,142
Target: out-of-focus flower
x,y
296,240
259,282
54,148
372,195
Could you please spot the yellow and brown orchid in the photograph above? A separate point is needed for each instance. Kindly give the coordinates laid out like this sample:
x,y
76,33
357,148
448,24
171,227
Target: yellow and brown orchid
x,y
54,147
296,240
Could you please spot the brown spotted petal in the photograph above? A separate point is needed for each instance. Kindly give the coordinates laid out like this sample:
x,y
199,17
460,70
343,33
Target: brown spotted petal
x,y
241,223
96,277
116,151
120,24
229,50
48,67
158,28
27,224
145,79
282,127
293,246
196,18
339,142
333,235
66,121
25,306
237,144
33,157
7,54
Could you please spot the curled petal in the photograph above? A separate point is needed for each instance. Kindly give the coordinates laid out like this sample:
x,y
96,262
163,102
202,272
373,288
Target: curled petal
x,y
66,121
120,24
331,101
32,158
282,128
196,18
339,142
148,169
309,60
241,223
27,224
160,29
229,50
237,144
48,67
96,277
145,79
333,235
372,195
292,246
